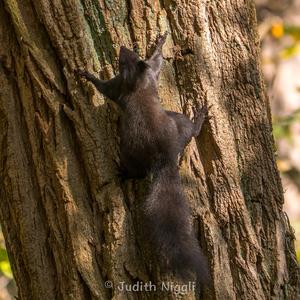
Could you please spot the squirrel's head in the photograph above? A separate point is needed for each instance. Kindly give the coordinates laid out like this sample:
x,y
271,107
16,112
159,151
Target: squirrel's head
x,y
132,68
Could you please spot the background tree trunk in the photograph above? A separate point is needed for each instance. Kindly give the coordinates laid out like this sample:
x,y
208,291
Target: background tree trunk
x,y
70,224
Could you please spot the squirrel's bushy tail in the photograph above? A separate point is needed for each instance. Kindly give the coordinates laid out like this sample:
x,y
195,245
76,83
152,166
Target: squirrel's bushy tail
x,y
168,228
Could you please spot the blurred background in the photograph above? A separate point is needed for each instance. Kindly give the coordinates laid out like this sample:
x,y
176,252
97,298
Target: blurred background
x,y
279,29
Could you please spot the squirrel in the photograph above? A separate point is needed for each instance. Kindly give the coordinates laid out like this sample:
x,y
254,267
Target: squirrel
x,y
151,139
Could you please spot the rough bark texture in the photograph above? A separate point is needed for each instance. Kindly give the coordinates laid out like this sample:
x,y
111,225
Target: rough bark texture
x,y
70,223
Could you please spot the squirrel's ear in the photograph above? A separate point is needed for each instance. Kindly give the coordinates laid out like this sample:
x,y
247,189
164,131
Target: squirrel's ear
x,y
127,60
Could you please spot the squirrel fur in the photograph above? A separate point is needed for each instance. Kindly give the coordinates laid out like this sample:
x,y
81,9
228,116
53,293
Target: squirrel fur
x,y
151,141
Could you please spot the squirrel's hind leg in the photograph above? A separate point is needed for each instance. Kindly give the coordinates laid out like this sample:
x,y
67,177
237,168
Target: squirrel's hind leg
x,y
186,128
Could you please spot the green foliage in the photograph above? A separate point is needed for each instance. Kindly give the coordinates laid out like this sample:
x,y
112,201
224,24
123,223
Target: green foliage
x,y
280,30
291,51
282,125
298,254
4,262
294,48
296,226
293,31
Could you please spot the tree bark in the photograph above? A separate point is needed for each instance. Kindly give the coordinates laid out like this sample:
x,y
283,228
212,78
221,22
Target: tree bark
x,y
70,224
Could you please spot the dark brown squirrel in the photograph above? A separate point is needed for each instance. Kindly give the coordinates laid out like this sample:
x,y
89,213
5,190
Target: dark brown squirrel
x,y
151,140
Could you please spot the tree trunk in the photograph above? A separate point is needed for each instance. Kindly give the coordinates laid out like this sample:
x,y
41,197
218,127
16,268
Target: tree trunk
x,y
71,225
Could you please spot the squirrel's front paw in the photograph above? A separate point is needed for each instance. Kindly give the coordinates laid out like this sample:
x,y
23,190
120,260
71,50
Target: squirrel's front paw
x,y
82,73
199,117
202,112
161,39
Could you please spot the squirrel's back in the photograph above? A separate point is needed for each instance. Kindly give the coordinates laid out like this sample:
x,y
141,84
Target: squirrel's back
x,y
148,134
